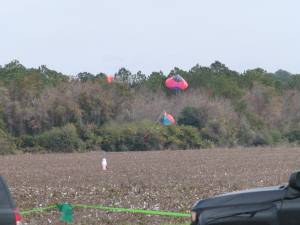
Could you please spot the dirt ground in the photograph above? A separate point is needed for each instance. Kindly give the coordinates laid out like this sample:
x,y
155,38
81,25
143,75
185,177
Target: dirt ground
x,y
161,180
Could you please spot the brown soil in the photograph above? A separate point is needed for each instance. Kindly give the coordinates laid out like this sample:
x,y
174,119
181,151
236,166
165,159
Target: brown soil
x,y
164,180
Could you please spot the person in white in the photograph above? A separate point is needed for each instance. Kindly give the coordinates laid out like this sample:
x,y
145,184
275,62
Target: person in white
x,y
104,164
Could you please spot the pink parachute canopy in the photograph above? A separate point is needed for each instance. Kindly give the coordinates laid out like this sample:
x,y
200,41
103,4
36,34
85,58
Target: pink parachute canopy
x,y
176,83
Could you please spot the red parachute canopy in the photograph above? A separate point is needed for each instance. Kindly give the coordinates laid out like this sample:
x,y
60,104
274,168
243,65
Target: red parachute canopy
x,y
176,83
109,78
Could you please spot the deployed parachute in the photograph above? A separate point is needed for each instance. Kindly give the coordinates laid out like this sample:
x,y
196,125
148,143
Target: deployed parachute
x,y
109,78
167,119
176,83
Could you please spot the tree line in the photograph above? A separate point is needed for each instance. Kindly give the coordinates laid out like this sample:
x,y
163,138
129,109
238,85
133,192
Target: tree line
x,y
43,110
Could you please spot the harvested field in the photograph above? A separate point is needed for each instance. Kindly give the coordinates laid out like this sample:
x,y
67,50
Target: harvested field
x,y
164,180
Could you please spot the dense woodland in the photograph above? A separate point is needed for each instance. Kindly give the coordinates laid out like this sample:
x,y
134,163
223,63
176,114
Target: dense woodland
x,y
42,110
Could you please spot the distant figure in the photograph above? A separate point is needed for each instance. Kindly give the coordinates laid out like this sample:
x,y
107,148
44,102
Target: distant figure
x,y
104,164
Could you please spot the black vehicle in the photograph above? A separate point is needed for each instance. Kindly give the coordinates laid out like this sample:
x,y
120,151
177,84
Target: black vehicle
x,y
9,215
279,205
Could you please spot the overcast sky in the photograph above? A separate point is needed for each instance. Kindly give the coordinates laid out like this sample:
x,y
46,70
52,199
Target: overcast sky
x,y
72,36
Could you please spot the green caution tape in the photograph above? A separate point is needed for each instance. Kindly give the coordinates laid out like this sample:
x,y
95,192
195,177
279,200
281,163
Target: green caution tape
x,y
35,210
110,209
144,211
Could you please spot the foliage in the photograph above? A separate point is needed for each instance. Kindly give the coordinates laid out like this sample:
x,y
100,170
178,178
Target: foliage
x,y
87,134
7,145
219,132
148,136
40,107
276,136
293,135
60,139
248,136
197,117
155,81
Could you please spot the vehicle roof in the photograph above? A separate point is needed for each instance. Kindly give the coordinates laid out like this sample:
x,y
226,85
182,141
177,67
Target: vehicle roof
x,y
259,189
251,196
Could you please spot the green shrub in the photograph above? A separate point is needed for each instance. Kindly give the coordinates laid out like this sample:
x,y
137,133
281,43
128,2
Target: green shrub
x,y
130,137
61,139
146,135
249,137
192,116
240,106
184,137
7,145
293,136
88,135
254,120
276,136
221,132
245,135
27,141
262,138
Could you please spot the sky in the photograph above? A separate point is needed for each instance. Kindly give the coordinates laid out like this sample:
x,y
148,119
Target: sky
x,y
73,36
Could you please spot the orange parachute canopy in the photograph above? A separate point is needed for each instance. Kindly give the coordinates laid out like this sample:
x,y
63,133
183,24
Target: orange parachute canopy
x,y
109,78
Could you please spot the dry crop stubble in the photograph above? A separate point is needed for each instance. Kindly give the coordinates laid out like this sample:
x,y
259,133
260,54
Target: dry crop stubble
x,y
164,180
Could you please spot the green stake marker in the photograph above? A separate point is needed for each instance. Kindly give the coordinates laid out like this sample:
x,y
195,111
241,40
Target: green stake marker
x,y
66,211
